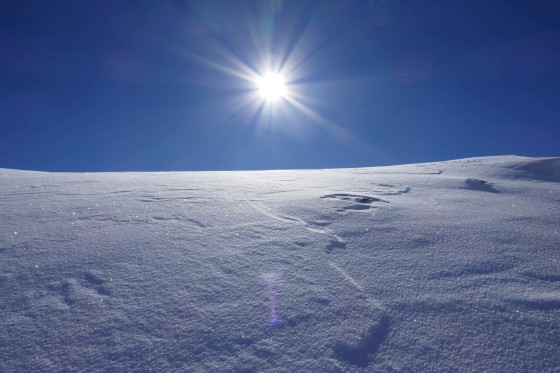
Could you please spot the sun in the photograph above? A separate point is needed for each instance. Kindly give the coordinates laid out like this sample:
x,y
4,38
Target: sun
x,y
271,87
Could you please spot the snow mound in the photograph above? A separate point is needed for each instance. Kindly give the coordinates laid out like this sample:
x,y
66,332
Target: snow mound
x,y
448,266
544,169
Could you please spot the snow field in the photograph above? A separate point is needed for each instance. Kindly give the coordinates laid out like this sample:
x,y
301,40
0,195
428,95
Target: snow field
x,y
450,266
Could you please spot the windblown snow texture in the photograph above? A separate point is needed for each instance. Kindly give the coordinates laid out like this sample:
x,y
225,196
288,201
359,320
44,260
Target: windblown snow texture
x,y
451,266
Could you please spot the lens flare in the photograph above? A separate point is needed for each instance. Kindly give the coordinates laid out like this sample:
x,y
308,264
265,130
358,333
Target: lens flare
x,y
270,280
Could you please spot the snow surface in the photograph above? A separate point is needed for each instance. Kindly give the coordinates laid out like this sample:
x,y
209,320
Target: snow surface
x,y
451,266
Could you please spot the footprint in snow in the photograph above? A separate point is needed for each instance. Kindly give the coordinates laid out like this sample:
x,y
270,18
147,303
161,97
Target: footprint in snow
x,y
389,189
480,185
360,352
86,288
358,349
355,201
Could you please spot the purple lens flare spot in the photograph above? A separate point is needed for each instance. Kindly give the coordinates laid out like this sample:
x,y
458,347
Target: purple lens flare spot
x,y
270,282
273,320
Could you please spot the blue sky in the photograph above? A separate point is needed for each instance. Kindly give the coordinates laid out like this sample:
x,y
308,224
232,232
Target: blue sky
x,y
167,85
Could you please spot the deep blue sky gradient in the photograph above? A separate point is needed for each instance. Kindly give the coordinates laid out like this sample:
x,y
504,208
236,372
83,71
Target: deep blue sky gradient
x,y
140,85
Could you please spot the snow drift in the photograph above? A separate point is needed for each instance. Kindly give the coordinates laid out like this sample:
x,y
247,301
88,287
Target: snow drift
x,y
451,266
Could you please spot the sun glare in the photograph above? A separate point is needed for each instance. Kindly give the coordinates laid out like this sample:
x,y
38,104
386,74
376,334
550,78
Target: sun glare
x,y
272,87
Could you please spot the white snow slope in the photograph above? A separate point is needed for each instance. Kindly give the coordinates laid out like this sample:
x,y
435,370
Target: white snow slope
x,y
442,267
